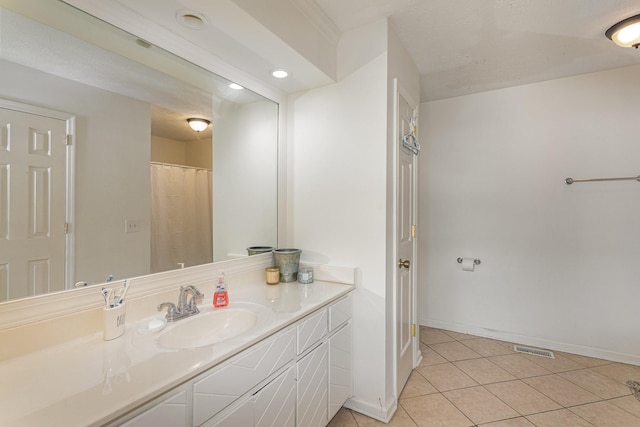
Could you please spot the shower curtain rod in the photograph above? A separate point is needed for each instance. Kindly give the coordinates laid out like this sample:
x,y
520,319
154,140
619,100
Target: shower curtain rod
x,y
570,181
180,166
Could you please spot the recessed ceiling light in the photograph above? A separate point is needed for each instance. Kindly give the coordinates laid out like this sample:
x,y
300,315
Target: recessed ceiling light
x,y
145,44
191,19
279,74
235,86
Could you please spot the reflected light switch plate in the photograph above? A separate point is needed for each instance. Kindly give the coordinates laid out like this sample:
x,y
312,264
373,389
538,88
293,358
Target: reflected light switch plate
x,y
131,226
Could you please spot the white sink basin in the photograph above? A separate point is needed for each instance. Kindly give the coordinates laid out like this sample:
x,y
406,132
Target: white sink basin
x,y
208,327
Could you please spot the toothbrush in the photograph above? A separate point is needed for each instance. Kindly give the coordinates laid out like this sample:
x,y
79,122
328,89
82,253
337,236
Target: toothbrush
x,y
124,293
105,294
110,298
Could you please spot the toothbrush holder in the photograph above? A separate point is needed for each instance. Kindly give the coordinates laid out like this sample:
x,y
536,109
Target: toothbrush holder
x,y
114,321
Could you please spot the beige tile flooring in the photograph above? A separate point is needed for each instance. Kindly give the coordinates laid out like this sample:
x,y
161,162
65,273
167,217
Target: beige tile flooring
x,y
465,381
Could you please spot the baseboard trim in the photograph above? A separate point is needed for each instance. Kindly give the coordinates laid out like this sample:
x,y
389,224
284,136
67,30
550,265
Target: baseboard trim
x,y
516,338
418,357
372,410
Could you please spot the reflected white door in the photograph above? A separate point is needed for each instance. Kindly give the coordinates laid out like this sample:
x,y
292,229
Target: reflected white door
x,y
405,182
32,204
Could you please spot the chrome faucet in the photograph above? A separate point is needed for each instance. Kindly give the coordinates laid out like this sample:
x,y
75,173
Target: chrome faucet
x,y
185,308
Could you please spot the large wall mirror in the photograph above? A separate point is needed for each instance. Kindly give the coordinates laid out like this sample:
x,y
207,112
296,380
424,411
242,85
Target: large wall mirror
x,y
134,190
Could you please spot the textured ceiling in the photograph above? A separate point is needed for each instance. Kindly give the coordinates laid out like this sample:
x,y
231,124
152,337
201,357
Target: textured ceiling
x,y
460,46
469,46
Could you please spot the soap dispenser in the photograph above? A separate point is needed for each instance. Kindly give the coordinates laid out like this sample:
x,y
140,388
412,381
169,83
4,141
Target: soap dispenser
x,y
220,296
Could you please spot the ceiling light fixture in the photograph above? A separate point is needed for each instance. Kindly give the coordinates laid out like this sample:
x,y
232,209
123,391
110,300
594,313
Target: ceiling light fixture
x,y
192,19
198,124
145,44
626,33
235,86
279,74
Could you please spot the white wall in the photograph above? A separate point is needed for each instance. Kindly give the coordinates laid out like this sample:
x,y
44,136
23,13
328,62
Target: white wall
x,y
245,176
167,150
197,153
558,262
112,169
337,192
341,161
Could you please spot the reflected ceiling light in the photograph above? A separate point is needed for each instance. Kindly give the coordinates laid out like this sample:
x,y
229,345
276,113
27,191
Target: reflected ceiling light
x,y
192,19
235,86
279,74
626,33
145,44
198,124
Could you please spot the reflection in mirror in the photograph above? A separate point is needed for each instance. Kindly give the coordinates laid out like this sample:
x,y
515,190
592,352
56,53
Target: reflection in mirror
x,y
135,190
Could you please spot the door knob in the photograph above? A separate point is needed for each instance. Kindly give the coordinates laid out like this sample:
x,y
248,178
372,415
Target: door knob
x,y
405,263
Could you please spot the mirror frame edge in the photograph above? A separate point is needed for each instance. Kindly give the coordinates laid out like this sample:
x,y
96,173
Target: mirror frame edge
x,y
38,308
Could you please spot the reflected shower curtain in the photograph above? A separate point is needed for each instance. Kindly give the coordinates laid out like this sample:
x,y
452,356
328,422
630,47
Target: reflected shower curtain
x,y
181,217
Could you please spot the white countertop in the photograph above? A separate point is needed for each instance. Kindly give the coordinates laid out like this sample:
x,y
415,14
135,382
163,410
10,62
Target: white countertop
x,y
89,381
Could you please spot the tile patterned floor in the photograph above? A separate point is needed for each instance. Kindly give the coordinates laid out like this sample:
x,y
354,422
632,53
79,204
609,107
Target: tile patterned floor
x,y
466,381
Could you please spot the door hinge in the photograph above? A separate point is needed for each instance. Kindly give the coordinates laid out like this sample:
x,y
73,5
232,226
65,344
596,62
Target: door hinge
x,y
68,139
413,329
66,227
414,231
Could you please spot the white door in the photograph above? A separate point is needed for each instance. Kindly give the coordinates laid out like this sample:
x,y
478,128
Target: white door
x,y
405,236
32,204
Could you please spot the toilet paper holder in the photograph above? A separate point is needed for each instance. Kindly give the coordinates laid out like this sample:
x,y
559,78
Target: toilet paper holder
x,y
475,261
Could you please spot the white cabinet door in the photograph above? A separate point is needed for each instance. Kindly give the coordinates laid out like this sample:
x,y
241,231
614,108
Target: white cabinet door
x,y
214,391
274,405
312,388
171,412
340,369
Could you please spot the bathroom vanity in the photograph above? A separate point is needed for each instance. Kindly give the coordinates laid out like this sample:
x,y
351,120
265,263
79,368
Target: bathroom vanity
x,y
300,376
293,366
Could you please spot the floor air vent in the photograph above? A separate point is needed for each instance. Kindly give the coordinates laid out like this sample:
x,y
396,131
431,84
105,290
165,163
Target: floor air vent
x,y
534,351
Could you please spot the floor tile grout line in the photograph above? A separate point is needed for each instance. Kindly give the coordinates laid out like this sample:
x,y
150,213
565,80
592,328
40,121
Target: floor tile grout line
x,y
577,415
607,401
538,391
566,379
491,362
595,394
407,412
582,366
554,410
460,410
556,373
517,379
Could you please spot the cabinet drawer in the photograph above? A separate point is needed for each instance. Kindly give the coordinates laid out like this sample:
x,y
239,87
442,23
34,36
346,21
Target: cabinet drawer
x,y
340,311
311,330
170,412
217,390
